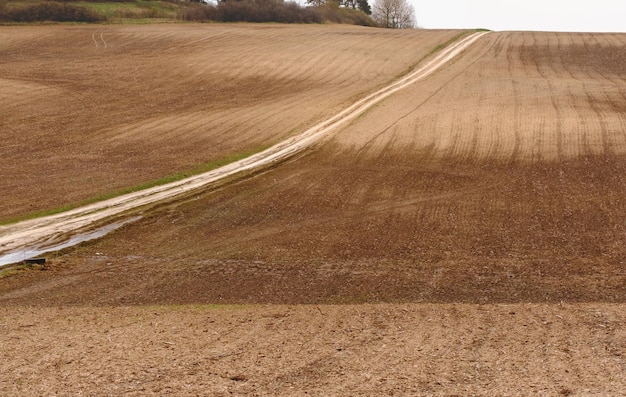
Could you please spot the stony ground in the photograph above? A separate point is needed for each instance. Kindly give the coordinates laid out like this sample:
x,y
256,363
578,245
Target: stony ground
x,y
319,350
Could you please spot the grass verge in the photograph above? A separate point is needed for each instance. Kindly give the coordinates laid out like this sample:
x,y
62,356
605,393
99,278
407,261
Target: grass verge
x,y
11,270
200,169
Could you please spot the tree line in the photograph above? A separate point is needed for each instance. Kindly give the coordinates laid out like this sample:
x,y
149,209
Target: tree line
x,y
277,11
394,14
362,5
384,13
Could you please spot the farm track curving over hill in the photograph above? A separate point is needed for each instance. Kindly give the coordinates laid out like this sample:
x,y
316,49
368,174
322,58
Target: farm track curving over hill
x,y
51,230
499,179
464,236
79,120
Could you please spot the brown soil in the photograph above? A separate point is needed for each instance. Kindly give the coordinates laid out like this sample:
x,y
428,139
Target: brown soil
x,y
362,350
484,207
50,229
85,111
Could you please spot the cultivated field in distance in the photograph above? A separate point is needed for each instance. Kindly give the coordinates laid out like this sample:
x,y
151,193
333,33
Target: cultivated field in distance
x,y
467,235
90,110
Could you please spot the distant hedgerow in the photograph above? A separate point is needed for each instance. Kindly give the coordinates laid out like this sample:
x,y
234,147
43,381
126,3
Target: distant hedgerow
x,y
265,11
279,11
49,11
273,11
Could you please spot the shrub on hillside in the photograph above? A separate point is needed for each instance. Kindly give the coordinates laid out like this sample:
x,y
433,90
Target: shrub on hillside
x,y
331,12
274,11
199,13
252,11
265,11
49,11
96,1
3,10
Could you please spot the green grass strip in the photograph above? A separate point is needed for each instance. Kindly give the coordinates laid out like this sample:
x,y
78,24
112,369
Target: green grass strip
x,y
200,169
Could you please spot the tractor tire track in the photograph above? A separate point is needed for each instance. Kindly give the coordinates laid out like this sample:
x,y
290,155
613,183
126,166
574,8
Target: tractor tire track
x,y
46,232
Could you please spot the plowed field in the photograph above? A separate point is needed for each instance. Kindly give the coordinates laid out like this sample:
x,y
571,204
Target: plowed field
x,y
85,111
483,210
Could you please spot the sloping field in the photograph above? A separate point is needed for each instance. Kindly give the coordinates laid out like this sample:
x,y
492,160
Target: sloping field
x,y
483,210
85,111
420,199
530,98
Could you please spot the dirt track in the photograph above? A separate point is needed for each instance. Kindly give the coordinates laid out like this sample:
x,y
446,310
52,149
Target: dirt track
x,y
482,210
402,206
52,230
79,120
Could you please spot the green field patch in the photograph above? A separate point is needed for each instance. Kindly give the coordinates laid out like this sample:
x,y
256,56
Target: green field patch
x,y
11,270
134,10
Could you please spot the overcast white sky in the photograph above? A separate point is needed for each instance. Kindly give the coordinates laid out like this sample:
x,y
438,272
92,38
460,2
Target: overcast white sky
x,y
543,15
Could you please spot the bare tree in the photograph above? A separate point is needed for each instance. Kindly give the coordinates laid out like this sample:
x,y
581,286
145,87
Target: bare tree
x,y
394,14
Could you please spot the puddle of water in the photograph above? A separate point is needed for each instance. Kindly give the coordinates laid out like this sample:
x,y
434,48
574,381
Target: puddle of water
x,y
20,256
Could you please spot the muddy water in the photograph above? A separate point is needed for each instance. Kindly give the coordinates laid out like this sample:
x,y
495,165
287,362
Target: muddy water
x,y
22,255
